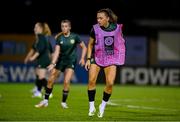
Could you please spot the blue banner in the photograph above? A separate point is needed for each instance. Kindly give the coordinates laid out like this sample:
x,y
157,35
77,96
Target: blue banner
x,y
18,72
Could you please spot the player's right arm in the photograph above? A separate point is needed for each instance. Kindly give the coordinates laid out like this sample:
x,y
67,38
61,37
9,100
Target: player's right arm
x,y
30,53
89,53
54,58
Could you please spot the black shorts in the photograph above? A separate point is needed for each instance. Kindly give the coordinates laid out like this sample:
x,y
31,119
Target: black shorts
x,y
64,65
42,65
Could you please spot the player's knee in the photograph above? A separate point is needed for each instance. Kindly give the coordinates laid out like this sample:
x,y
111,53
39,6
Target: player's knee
x,y
54,73
50,82
92,79
66,84
109,84
108,88
91,85
41,78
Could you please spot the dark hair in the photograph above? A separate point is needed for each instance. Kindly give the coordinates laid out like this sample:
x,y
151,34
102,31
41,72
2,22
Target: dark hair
x,y
66,21
109,13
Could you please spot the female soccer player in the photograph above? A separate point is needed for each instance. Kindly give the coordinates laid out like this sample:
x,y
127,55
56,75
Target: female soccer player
x,y
106,49
64,60
41,51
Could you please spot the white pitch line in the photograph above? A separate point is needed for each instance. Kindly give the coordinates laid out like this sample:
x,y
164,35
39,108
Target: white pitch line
x,y
137,100
110,102
149,108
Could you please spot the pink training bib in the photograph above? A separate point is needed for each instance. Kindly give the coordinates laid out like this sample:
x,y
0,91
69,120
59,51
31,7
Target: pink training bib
x,y
109,47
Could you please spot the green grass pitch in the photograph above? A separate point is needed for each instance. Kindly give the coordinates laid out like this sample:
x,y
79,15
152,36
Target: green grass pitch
x,y
128,103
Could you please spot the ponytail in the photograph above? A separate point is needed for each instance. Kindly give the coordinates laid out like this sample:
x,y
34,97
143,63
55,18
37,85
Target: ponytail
x,y
46,30
45,27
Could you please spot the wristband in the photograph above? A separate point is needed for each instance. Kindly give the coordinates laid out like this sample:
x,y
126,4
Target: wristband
x,y
53,64
88,58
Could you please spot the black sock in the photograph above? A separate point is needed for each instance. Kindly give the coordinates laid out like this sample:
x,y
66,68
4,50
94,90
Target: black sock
x,y
48,92
36,82
106,96
39,84
44,82
91,95
64,96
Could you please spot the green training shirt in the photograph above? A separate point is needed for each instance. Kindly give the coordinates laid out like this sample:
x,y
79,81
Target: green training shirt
x,y
43,47
68,47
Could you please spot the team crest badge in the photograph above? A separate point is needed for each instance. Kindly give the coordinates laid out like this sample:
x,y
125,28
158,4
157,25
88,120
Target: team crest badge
x,y
61,42
72,41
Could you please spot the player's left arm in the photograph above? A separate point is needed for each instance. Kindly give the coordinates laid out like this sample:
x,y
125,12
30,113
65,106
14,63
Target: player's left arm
x,y
40,47
121,32
34,56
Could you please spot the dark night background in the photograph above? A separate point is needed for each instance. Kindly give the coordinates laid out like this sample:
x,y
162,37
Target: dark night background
x,y
19,16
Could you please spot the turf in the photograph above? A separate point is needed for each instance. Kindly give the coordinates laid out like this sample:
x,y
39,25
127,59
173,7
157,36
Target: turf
x,y
128,103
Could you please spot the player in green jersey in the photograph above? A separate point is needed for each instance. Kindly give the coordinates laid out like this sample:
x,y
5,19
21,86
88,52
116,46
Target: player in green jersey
x,y
64,60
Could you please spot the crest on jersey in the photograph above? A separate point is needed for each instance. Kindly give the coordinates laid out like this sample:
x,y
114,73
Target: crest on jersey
x,y
109,45
72,41
61,42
